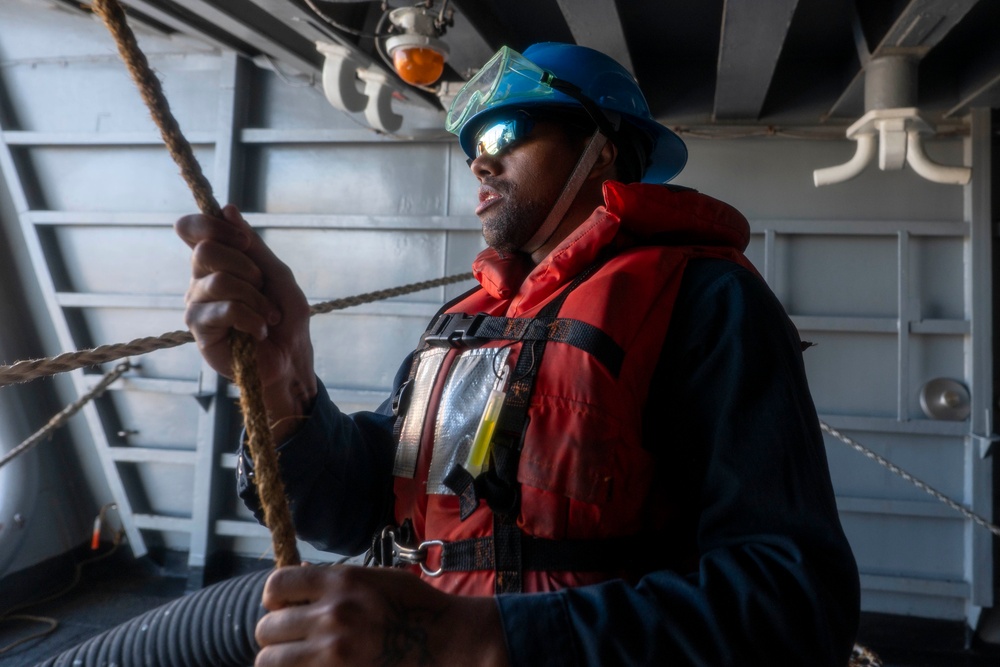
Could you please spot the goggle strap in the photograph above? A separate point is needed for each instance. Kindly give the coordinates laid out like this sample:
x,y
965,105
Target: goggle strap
x,y
573,184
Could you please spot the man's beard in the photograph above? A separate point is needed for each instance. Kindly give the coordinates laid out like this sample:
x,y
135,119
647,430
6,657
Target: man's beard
x,y
512,221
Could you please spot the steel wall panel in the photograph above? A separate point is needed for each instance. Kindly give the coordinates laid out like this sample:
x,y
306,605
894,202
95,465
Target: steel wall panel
x,y
917,546
284,104
463,187
374,179
52,31
152,419
852,373
937,277
338,263
123,260
936,459
773,179
839,276
134,178
363,351
95,93
166,489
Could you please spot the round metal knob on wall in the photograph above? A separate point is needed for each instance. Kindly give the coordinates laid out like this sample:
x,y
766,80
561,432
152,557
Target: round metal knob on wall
x,y
942,398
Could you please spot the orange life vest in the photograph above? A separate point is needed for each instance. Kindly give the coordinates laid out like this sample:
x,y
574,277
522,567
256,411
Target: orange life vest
x,y
578,474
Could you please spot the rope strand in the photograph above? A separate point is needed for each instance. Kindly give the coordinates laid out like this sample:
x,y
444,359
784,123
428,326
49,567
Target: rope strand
x,y
63,415
113,15
277,516
923,486
32,369
260,444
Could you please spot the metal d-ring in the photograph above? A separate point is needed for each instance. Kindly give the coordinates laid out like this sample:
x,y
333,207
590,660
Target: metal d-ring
x,y
423,549
413,555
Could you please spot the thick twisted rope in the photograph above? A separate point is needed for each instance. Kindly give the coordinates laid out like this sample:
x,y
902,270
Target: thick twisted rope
x,y
32,369
152,94
277,516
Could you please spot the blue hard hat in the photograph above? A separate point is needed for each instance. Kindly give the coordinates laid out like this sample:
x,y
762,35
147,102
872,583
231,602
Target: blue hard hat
x,y
511,80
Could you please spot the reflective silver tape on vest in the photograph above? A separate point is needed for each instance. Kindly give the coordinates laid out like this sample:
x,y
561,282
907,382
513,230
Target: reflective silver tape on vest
x,y
408,449
463,400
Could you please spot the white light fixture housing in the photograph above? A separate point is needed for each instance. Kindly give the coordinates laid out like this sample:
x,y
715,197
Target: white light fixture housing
x,y
418,54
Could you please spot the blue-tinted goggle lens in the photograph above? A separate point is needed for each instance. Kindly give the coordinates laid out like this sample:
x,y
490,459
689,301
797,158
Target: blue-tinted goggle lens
x,y
497,135
506,80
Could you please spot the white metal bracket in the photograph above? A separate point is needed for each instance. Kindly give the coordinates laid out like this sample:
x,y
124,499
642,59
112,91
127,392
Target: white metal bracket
x,y
898,133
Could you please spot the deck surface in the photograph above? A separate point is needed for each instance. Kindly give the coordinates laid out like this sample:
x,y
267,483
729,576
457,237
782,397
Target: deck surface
x,y
117,589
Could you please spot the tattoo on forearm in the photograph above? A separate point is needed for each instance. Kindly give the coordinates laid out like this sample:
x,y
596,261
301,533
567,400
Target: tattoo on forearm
x,y
406,635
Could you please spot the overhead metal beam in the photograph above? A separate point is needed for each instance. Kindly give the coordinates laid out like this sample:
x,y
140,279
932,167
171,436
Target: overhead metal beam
x,y
981,87
248,30
484,21
154,10
595,23
752,36
301,20
919,28
470,49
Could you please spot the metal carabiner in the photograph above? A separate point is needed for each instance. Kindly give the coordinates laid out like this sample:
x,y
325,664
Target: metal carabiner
x,y
411,555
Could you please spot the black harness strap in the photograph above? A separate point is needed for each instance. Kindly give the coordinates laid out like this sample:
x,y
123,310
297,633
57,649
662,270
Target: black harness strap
x,y
504,496
461,330
598,555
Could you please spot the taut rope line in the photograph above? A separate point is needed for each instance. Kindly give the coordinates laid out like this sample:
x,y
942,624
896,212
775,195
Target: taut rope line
x,y
277,516
923,486
63,415
32,369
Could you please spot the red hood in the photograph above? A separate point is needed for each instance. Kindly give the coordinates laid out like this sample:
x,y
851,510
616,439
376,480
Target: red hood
x,y
637,213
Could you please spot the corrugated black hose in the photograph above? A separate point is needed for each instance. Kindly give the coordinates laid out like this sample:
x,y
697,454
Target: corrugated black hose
x,y
212,627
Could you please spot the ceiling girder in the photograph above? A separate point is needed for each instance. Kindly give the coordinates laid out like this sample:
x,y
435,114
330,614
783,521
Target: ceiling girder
x,y
249,25
981,87
595,23
749,46
919,28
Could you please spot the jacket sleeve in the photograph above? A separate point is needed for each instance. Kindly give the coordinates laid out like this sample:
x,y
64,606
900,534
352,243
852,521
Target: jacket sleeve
x,y
740,453
337,472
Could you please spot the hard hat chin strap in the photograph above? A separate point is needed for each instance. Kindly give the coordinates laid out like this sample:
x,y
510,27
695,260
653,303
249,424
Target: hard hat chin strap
x,y
569,192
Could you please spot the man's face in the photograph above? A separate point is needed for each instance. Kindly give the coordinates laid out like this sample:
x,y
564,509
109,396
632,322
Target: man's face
x,y
520,184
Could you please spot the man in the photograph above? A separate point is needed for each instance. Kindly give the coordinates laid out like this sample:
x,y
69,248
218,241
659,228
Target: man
x,y
617,421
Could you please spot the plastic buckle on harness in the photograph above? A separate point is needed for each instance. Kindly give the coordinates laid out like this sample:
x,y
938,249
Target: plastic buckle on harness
x,y
455,330
403,555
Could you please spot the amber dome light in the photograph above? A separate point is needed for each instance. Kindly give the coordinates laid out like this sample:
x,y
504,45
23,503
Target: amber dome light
x,y
418,66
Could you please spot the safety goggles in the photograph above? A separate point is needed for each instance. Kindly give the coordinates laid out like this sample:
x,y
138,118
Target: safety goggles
x,y
510,80
498,134
507,78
